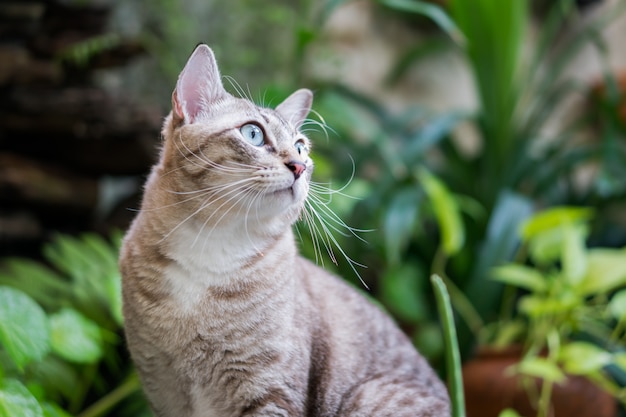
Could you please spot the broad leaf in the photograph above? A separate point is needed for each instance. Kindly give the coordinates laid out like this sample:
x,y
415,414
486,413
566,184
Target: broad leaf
x,y
536,306
446,211
606,271
24,330
75,338
617,305
521,277
399,222
580,358
554,218
541,368
574,258
432,11
16,400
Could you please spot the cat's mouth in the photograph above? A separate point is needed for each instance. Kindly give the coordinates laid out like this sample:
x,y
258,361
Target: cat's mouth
x,y
294,191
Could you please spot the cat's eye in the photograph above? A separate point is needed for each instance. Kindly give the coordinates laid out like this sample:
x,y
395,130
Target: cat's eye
x,y
253,134
301,147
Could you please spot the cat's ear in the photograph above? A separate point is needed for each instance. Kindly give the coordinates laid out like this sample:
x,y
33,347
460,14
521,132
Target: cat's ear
x,y
296,107
199,84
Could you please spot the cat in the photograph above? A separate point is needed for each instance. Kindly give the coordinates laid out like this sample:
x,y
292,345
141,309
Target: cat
x,y
223,318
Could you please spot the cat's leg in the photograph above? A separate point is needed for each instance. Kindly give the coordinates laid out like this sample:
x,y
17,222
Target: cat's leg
x,y
387,396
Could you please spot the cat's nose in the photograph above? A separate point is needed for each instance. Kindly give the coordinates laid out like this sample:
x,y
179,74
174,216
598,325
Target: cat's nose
x,y
296,167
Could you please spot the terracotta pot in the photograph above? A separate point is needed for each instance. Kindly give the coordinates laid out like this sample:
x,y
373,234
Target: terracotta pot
x,y
489,390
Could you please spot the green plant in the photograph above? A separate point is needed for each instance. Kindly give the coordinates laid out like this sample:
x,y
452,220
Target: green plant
x,y
570,314
60,332
469,206
453,357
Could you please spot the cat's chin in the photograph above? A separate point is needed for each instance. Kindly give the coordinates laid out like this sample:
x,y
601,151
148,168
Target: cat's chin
x,y
284,202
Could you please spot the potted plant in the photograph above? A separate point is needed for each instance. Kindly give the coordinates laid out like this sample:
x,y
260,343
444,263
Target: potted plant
x,y
563,324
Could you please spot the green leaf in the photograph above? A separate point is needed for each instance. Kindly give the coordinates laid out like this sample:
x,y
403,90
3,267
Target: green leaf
x,y
24,330
401,293
554,218
606,271
58,377
75,338
399,222
432,11
53,410
536,306
509,413
16,400
495,32
499,246
574,257
617,305
520,276
431,133
37,281
446,211
547,248
541,368
453,356
581,358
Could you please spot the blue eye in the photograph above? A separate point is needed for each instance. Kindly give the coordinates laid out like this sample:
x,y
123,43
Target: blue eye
x,y
253,134
301,147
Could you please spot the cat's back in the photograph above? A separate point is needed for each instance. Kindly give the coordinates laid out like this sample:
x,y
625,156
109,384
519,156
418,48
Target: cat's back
x,y
361,350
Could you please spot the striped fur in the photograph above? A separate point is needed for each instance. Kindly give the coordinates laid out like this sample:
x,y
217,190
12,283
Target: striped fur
x,y
223,317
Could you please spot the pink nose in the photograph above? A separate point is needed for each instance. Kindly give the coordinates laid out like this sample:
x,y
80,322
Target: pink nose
x,y
296,167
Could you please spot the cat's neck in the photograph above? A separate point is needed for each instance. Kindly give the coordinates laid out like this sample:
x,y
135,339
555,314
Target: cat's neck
x,y
222,246
228,249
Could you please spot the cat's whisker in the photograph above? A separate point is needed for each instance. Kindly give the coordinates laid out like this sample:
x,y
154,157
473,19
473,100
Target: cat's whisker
x,y
174,204
315,240
351,262
252,202
239,196
202,207
334,218
213,188
183,154
205,160
238,88
321,123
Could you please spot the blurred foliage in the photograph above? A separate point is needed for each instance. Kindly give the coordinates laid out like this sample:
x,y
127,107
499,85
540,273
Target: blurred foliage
x,y
437,209
570,314
61,331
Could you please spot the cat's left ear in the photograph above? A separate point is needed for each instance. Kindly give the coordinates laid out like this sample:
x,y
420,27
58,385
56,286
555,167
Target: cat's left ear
x,y
199,85
296,107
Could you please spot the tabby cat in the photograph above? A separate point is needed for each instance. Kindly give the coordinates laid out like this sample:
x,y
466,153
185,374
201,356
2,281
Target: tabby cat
x,y
223,317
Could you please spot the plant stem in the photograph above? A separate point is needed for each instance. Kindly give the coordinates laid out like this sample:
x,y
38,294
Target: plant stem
x,y
453,357
464,307
544,400
104,404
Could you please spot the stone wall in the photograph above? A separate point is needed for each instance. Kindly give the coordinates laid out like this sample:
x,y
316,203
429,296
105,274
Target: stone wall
x,y
69,150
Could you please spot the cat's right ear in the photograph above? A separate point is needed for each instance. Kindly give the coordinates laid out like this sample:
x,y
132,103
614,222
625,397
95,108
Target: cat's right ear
x,y
199,84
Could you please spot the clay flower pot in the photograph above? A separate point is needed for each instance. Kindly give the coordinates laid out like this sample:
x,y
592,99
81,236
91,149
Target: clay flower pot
x,y
489,389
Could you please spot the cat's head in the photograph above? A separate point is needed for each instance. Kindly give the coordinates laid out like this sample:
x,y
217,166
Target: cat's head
x,y
224,158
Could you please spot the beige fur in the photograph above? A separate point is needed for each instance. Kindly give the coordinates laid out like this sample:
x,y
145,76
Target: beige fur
x,y
223,318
